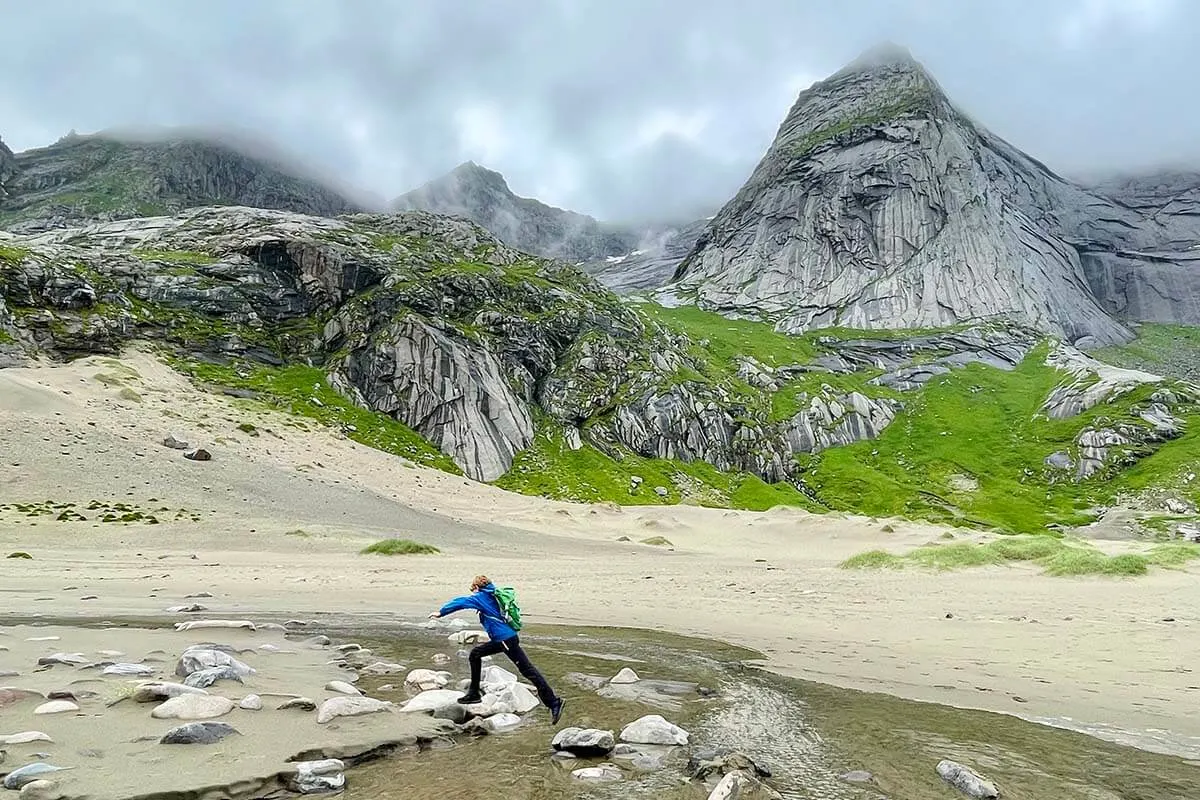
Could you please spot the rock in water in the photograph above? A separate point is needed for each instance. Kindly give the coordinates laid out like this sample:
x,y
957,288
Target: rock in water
x,y
501,722
198,733
56,707
315,777
341,687
27,774
604,773
426,679
203,678
198,624
653,729
430,701
967,781
350,707
728,788
585,742
193,706
626,675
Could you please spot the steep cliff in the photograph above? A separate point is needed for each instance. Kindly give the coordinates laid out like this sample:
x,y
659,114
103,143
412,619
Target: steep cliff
x,y
482,196
110,176
880,205
8,168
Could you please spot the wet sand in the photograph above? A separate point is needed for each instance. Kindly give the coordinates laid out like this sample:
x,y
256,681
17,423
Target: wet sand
x,y
275,522
113,750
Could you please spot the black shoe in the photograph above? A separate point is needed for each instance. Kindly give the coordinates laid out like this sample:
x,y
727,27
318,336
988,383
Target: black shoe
x,y
556,711
469,699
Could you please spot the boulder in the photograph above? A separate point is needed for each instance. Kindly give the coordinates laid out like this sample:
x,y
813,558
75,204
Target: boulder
x,y
193,706
432,700
653,729
967,781
316,777
251,702
199,454
468,637
426,679
198,733
718,761
194,660
515,698
501,722
350,707
585,742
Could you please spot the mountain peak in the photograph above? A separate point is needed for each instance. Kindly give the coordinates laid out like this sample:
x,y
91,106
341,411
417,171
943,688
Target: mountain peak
x,y
884,54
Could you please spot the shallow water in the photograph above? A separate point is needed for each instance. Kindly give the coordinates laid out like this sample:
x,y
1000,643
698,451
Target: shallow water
x,y
809,735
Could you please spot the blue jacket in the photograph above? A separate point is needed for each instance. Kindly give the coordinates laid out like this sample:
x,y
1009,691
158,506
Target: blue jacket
x,y
490,616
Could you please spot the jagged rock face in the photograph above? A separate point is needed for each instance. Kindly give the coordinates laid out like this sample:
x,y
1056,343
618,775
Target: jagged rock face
x,y
101,177
8,168
1147,287
1169,198
482,196
880,205
652,264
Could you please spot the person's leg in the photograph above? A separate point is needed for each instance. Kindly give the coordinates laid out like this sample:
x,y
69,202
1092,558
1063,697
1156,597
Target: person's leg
x,y
476,659
512,648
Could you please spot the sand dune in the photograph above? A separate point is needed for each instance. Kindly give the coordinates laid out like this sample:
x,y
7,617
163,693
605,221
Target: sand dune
x,y
275,523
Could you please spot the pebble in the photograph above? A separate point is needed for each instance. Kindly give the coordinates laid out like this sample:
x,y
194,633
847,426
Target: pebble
x,y
157,691
604,773
251,702
194,608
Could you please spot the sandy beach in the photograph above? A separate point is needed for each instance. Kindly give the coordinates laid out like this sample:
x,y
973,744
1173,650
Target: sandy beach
x,y
275,522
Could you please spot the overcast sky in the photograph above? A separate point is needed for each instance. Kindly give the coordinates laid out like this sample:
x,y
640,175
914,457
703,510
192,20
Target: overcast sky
x,y
618,108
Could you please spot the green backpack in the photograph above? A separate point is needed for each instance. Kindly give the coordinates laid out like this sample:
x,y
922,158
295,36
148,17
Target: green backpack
x,y
507,598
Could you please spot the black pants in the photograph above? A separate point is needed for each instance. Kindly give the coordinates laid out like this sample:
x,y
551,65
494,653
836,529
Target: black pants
x,y
512,649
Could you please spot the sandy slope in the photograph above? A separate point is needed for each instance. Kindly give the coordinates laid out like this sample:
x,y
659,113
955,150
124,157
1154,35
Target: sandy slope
x,y
1096,651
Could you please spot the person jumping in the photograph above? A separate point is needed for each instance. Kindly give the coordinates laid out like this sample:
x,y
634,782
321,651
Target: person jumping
x,y
503,638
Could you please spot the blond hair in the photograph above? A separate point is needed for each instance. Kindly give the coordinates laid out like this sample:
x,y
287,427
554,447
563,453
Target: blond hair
x,y
480,582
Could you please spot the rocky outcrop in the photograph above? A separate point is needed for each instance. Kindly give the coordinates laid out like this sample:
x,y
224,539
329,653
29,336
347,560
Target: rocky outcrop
x,y
483,197
111,176
8,169
880,205
1171,198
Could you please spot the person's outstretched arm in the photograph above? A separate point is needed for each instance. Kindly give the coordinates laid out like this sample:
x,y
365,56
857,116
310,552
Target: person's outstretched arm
x,y
457,604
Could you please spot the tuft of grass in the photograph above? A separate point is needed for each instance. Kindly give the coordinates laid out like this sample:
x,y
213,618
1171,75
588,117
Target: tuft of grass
x,y
1054,555
873,559
19,554
400,547
129,394
658,541
246,427
12,255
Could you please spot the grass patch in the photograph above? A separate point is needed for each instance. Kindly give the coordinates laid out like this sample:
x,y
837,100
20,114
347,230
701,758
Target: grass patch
x,y
246,427
176,256
550,468
400,547
658,541
130,395
1159,348
727,340
303,391
12,255
1055,556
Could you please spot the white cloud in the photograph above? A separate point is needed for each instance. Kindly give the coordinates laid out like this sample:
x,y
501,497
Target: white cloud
x,y
1091,19
482,134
